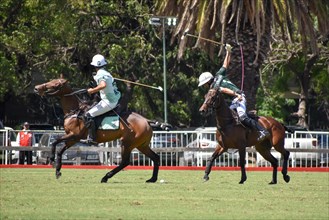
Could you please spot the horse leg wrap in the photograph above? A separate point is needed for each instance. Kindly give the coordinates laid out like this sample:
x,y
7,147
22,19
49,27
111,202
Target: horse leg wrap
x,y
274,176
106,177
208,169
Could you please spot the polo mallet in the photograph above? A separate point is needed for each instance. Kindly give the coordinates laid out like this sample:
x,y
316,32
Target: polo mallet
x,y
140,84
202,38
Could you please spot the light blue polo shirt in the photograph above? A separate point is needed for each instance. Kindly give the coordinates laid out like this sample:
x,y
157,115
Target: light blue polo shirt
x,y
110,92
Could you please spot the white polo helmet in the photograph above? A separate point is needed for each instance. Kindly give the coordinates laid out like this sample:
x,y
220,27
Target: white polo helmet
x,y
204,78
98,61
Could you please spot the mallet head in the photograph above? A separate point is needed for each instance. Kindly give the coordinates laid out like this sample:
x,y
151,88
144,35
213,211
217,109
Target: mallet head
x,y
184,34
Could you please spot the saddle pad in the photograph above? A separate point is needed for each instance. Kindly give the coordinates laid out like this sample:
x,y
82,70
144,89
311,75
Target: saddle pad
x,y
109,123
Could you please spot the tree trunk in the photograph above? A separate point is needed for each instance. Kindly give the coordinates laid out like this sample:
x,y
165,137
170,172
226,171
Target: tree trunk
x,y
304,81
248,78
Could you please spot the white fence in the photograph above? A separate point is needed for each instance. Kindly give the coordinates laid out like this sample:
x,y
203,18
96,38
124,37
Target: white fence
x,y
176,148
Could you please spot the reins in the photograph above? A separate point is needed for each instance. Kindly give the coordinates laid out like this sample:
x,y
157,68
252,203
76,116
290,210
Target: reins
x,y
215,107
76,93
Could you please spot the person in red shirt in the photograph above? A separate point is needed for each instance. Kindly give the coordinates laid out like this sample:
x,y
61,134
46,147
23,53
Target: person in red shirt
x,y
25,139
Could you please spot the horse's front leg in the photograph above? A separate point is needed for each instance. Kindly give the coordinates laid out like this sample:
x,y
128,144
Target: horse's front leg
x,y
59,161
242,158
53,151
218,151
69,137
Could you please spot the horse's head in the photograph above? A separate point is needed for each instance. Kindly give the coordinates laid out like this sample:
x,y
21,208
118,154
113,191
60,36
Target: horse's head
x,y
211,98
55,87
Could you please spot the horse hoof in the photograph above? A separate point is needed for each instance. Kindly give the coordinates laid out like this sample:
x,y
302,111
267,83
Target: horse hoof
x,y
58,175
286,178
205,179
272,182
243,179
104,180
151,180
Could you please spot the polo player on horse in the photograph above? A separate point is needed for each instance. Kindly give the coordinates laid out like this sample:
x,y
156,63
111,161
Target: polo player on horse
x,y
109,94
225,86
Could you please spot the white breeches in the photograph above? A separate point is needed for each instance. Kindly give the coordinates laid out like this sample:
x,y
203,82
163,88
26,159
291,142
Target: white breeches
x,y
102,107
240,106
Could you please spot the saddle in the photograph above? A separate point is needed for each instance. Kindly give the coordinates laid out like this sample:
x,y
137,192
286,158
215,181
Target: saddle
x,y
111,119
251,114
107,121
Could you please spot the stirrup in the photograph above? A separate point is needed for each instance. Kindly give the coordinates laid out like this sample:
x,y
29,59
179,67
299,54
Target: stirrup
x,y
263,135
89,141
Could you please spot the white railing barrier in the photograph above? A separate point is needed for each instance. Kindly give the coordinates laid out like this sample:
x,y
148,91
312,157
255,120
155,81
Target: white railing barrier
x,y
193,148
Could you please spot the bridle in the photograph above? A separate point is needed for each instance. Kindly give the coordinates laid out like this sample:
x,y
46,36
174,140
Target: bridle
x,y
211,101
62,82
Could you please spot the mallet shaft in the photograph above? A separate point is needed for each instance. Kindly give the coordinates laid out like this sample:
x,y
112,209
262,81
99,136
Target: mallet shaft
x,y
205,39
140,84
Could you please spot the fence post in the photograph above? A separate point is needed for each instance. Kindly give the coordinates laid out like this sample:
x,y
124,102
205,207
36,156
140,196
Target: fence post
x,y
181,161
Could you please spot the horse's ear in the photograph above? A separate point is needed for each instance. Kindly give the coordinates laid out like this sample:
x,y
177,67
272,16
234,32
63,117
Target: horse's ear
x,y
61,76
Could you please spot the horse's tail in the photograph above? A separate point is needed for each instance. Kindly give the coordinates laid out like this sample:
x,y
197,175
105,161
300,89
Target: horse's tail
x,y
287,129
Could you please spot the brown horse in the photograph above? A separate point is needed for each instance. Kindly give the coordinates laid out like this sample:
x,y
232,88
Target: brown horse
x,y
231,134
134,130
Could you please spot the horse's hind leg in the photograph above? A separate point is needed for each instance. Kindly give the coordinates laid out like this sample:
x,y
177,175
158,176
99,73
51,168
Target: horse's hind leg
x,y
156,161
284,171
265,151
123,164
285,154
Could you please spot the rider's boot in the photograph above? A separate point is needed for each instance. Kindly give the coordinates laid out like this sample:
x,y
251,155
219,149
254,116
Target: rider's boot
x,y
263,133
90,124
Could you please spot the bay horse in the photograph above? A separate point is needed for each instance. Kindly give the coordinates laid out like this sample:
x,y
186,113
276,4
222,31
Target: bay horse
x,y
231,134
134,130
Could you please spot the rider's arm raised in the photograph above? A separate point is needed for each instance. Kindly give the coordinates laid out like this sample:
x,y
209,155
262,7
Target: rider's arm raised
x,y
228,56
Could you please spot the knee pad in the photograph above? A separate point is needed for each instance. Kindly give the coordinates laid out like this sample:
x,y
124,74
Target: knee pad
x,y
88,116
244,117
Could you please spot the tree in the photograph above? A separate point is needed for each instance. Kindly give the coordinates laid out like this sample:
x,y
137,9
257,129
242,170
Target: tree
x,y
42,39
250,24
290,66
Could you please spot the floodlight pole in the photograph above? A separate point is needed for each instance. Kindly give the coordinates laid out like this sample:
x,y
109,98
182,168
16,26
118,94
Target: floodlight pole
x,y
161,20
164,72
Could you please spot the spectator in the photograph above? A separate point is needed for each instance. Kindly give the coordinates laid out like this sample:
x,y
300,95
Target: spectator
x,y
25,139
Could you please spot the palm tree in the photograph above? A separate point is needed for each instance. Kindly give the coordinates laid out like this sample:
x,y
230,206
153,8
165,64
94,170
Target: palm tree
x,y
248,26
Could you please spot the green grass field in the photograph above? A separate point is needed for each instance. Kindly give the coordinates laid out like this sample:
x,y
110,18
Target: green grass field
x,y
78,194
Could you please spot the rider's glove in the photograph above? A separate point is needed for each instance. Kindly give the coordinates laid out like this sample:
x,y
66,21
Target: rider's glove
x,y
228,48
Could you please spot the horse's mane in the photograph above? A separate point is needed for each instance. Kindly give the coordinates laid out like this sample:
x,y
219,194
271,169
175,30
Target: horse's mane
x,y
78,112
223,104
